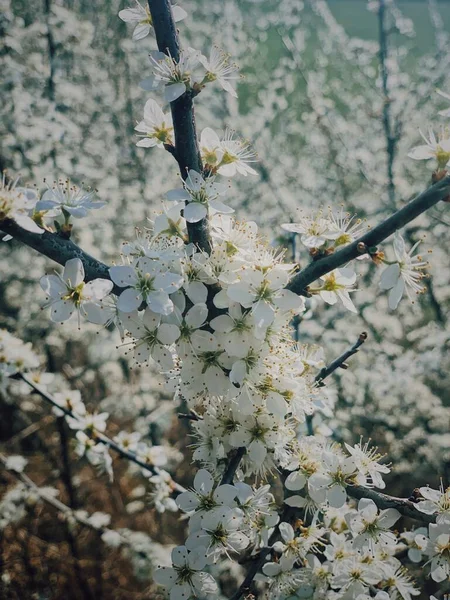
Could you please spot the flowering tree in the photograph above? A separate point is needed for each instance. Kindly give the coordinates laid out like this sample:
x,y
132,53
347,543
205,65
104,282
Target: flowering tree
x,y
206,298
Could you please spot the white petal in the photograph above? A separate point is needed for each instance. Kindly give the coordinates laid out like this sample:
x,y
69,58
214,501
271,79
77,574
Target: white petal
x,y
141,31
168,334
295,481
287,532
204,583
95,313
395,295
61,311
74,272
197,315
389,277
123,275
195,212
27,223
422,153
187,501
203,482
97,289
197,292
150,84
180,591
53,286
174,91
160,303
179,555
178,13
129,300
337,496
165,576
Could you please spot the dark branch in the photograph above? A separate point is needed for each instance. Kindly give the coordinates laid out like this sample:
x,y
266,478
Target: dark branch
x,y
340,362
58,249
372,238
186,145
97,436
228,476
405,507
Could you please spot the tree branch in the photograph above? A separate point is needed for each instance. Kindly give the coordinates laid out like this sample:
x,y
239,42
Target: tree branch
x,y
58,249
372,238
405,507
97,436
186,144
340,361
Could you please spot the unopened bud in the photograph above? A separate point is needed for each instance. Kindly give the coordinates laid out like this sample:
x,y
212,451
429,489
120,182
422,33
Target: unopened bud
x,y
361,247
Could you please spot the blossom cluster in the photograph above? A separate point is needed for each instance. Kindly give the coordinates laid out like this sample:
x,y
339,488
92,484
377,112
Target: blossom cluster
x,y
218,324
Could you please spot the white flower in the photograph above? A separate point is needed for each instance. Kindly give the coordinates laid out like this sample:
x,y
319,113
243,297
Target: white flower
x,y
189,323
344,229
439,550
366,461
152,338
436,501
354,577
128,441
17,203
399,581
264,293
201,195
16,463
371,528
162,491
90,422
142,17
296,548
69,293
97,454
64,196
404,275
70,400
218,68
186,578
433,148
15,355
210,148
336,286
315,232
146,282
157,127
236,156
220,533
204,498
333,481
173,76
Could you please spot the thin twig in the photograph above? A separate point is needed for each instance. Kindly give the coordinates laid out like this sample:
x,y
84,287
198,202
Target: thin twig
x,y
372,238
97,436
340,361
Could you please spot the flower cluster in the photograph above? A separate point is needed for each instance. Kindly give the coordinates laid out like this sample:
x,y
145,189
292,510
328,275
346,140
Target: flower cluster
x,y
219,325
15,357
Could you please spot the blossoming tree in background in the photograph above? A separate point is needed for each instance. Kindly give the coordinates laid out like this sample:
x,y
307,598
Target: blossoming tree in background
x,y
208,299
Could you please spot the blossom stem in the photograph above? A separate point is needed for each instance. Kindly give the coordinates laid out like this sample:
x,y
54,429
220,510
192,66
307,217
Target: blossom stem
x,y
372,238
187,152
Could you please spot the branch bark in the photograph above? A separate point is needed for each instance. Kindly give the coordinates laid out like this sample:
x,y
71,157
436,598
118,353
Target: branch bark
x,y
186,143
372,238
58,249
